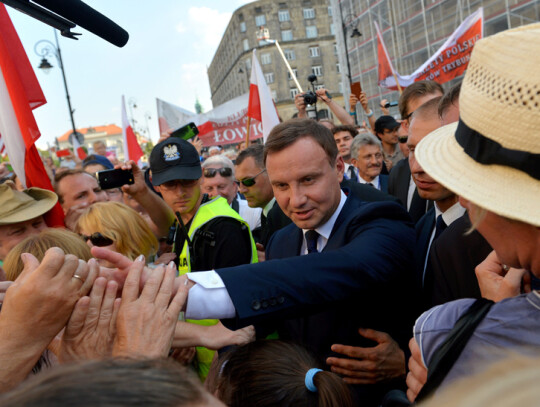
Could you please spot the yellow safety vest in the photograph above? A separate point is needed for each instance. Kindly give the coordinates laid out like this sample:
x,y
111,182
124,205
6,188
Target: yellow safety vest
x,y
217,207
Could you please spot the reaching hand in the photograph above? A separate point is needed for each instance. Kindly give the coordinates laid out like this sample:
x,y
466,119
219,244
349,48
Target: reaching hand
x,y
383,362
146,322
417,376
197,143
139,184
261,253
382,105
364,101
165,135
91,329
498,281
300,105
353,101
321,94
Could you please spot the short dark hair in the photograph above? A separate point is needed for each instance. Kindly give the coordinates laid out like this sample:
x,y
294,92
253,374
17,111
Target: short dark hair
x,y
449,98
63,174
414,91
287,133
344,127
117,382
276,372
428,110
256,152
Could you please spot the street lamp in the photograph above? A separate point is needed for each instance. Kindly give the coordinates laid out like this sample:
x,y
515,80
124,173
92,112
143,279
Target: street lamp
x,y
354,34
45,48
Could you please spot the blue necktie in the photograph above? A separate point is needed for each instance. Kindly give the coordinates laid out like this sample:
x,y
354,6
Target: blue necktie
x,y
311,241
439,226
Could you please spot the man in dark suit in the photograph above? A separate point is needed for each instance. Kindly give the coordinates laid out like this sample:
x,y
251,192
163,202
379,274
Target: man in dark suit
x,y
367,157
254,184
357,272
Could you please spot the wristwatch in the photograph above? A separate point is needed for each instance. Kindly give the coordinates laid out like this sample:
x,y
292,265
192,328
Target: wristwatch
x,y
370,113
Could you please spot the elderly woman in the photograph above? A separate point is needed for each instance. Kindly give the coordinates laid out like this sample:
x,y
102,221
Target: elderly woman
x,y
117,227
491,159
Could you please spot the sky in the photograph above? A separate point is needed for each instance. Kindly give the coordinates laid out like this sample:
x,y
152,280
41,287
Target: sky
x,y
170,46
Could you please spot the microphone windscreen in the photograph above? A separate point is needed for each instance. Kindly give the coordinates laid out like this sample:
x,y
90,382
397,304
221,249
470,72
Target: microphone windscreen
x,y
88,18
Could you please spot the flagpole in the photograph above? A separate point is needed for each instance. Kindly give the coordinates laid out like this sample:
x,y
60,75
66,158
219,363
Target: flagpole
x,y
247,131
397,82
293,76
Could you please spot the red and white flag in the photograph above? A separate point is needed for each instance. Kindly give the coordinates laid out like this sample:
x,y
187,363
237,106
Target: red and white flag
x,y
261,106
386,69
19,94
78,148
132,149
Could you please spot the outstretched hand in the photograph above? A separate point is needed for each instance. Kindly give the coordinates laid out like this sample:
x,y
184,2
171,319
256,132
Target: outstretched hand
x,y
376,364
417,376
146,321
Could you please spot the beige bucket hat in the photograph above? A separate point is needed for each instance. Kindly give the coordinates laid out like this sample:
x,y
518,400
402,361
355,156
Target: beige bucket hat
x,y
491,156
17,206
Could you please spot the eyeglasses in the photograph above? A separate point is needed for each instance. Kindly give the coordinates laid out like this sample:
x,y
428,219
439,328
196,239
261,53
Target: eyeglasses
x,y
173,185
211,172
98,239
403,139
249,182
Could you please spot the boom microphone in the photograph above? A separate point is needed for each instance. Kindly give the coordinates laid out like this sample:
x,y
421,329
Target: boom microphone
x,y
88,18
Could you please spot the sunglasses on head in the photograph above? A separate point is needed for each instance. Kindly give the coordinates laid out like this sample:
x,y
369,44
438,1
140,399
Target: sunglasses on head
x,y
98,239
211,172
249,182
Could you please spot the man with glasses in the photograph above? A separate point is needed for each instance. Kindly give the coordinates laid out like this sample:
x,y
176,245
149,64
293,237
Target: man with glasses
x,y
218,180
400,182
254,184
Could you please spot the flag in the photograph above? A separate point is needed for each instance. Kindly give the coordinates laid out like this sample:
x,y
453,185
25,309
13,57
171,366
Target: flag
x,y
132,149
386,70
19,94
261,106
77,147
448,62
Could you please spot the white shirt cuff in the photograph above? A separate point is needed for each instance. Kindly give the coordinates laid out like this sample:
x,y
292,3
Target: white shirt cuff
x,y
208,298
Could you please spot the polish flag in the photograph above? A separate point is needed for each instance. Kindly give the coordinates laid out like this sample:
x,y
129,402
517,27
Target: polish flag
x,y
78,148
132,149
261,106
386,70
19,94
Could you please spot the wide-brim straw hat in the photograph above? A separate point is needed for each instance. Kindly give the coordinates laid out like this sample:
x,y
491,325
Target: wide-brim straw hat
x,y
17,206
491,156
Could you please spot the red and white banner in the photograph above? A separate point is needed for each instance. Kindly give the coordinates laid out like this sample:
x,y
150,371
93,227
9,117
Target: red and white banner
x,y
78,148
226,124
450,60
132,149
261,106
19,94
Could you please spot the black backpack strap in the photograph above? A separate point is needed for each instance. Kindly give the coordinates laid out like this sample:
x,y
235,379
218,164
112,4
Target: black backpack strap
x,y
448,352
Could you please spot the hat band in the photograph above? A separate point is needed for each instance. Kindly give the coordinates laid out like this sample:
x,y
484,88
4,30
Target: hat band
x,y
487,151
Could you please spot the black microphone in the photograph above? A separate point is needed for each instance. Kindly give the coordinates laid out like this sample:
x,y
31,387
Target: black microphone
x,y
88,18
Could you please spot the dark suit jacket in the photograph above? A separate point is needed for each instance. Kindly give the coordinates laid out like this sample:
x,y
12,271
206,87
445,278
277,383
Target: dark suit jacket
x,y
398,186
366,192
360,279
453,258
424,228
383,179
275,220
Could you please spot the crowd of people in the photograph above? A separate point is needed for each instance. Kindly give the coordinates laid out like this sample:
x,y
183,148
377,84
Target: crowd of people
x,y
386,263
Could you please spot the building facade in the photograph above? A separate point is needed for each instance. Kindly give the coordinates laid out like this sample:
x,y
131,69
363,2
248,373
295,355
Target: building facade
x,y
305,31
110,134
413,30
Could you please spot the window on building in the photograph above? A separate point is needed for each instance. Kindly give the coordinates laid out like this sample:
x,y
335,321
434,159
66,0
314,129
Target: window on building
x,y
335,49
332,29
269,77
294,92
290,54
330,11
266,59
248,64
289,76
311,31
243,27
286,35
317,87
340,87
309,13
283,15
338,68
317,70
260,20
314,52
245,42
274,95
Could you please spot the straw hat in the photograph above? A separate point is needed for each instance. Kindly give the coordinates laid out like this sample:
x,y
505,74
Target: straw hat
x,y
17,206
492,156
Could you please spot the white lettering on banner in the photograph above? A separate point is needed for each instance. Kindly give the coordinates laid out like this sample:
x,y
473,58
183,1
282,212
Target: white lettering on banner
x,y
237,133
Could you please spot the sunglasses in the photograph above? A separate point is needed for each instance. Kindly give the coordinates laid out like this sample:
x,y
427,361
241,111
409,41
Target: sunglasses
x,y
211,172
173,185
403,139
249,182
98,239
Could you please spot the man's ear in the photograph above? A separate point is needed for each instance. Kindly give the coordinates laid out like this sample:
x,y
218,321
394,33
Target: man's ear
x,y
340,167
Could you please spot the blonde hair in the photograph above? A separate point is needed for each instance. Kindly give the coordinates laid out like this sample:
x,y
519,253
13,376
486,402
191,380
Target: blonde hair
x,y
38,244
123,225
512,382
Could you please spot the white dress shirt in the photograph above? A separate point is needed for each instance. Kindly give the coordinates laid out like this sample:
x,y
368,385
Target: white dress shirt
x,y
376,182
209,298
